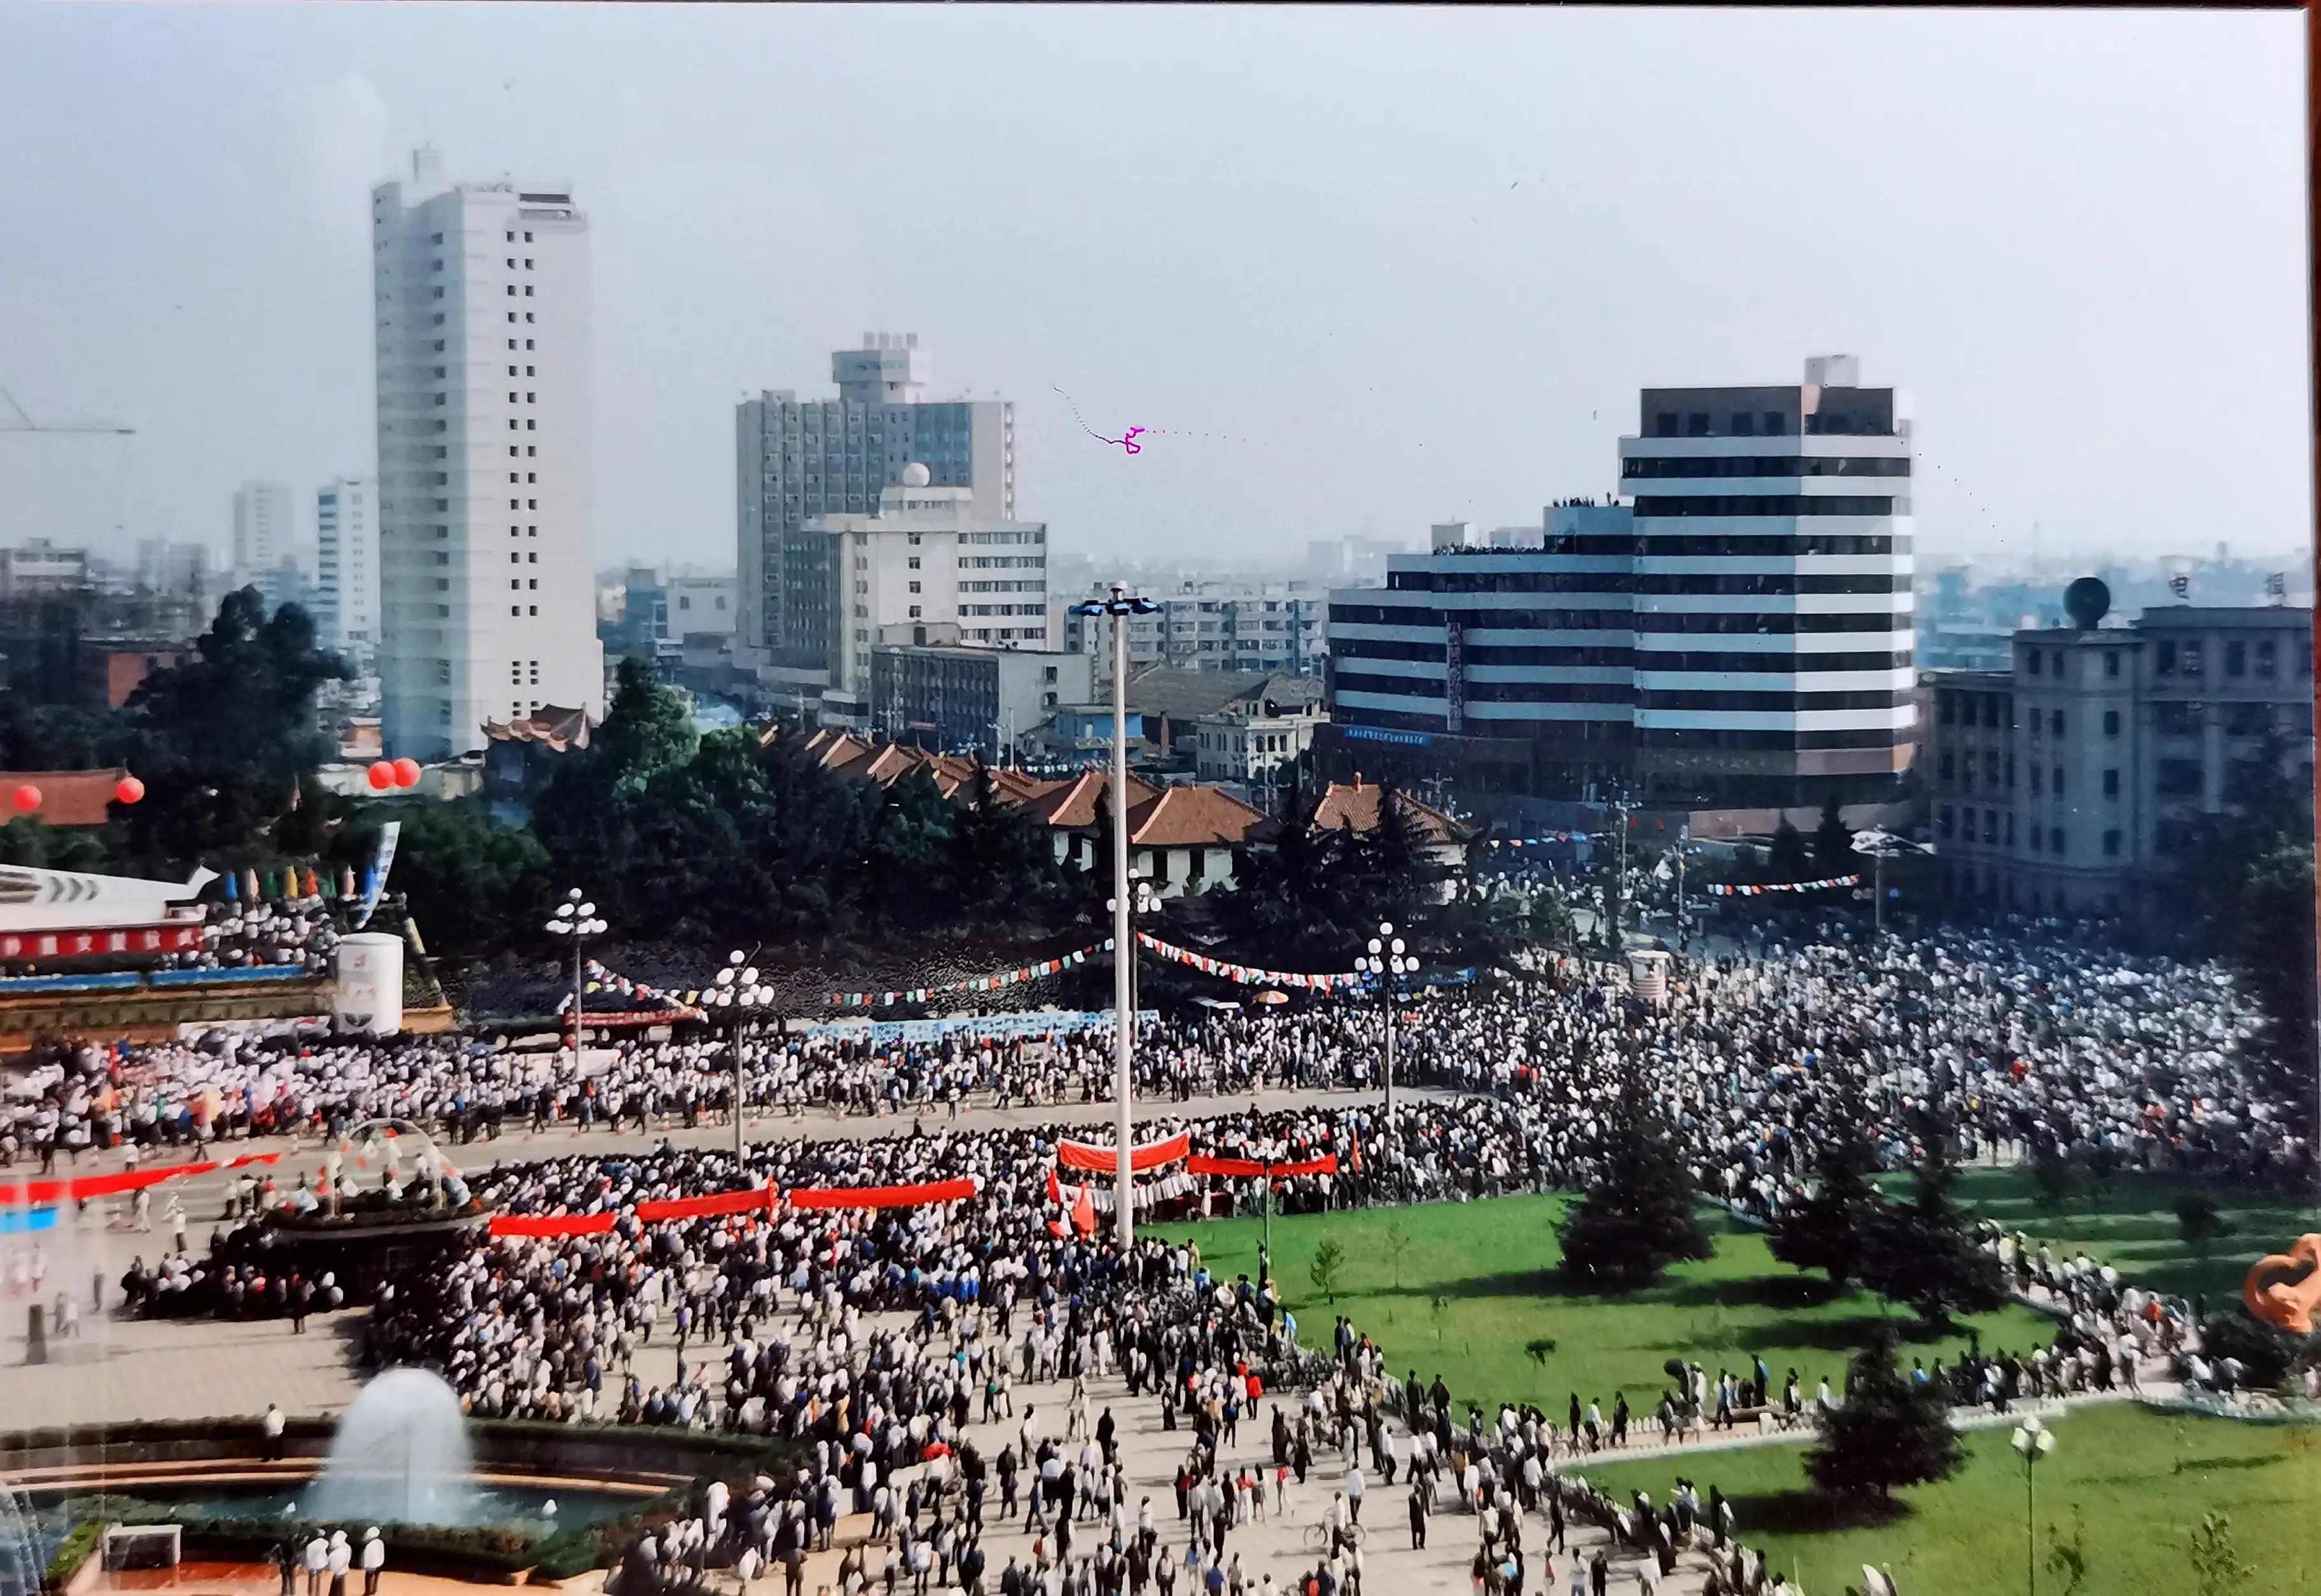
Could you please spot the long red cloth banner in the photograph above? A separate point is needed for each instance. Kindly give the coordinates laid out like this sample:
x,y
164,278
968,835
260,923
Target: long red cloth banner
x,y
79,1187
1201,1164
753,1202
1102,1160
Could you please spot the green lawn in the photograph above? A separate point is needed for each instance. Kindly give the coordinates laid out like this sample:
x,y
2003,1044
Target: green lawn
x,y
2131,1224
1493,1263
2141,1480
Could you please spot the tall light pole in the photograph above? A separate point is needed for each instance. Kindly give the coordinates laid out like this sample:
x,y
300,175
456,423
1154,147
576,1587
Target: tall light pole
x,y
1882,846
1386,963
1120,606
735,990
2032,1440
576,918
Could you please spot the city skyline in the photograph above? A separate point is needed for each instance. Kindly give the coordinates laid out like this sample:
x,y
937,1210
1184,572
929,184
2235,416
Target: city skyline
x,y
2070,239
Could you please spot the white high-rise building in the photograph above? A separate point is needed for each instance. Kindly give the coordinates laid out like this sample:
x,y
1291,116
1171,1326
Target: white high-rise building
x,y
346,561
486,580
265,536
928,569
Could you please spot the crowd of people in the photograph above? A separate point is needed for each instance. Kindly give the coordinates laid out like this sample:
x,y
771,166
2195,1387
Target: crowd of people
x,y
2056,1048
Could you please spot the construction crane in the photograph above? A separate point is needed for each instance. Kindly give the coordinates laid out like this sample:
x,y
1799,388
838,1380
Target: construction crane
x,y
24,422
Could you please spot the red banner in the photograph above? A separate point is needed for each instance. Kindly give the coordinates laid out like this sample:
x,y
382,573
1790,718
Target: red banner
x,y
1249,1169
550,1224
716,1203
1102,1160
80,1187
951,1191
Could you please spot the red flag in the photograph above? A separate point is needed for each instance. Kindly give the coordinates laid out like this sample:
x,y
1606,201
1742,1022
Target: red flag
x,y
1084,1213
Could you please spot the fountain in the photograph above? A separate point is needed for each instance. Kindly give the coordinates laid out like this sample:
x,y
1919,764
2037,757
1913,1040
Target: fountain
x,y
400,1454
22,1561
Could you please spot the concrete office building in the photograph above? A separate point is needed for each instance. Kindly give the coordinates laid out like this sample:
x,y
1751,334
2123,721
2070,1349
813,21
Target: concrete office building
x,y
800,460
1735,636
925,569
2080,779
268,553
37,567
346,565
488,586
955,700
1219,626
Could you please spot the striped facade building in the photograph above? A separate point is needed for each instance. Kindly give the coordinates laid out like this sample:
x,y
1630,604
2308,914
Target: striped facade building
x,y
1737,634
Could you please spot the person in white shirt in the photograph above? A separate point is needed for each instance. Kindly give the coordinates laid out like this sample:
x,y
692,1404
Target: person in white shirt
x,y
374,1558
317,1558
342,1558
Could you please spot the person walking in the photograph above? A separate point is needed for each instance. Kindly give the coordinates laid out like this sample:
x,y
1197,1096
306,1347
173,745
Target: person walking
x,y
342,1558
270,1433
374,1558
1417,1517
317,1559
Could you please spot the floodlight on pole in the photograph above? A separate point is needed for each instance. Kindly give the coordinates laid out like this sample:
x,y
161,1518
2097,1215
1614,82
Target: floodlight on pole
x,y
1120,606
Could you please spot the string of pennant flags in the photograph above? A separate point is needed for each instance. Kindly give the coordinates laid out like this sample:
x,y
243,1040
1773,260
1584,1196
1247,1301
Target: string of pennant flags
x,y
1541,841
640,994
919,994
1751,889
1246,975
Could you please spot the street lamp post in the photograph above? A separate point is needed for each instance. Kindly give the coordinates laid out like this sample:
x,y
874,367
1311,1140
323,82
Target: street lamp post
x,y
1386,961
1120,606
1882,845
736,990
2033,1441
576,918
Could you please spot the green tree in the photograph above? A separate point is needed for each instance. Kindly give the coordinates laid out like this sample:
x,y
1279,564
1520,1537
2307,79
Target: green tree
x,y
223,740
1922,1254
1398,1243
1886,1433
2216,1566
476,887
1833,841
2201,1224
1786,860
1329,1258
648,727
1831,1229
2272,948
1638,1214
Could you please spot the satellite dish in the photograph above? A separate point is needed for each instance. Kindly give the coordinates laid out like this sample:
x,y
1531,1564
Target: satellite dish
x,y
2087,601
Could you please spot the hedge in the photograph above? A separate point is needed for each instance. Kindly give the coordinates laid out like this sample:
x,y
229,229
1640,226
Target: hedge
x,y
71,1553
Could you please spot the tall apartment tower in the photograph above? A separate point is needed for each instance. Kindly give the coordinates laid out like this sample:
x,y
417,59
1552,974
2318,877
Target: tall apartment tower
x,y
487,586
1773,612
800,460
265,528
346,565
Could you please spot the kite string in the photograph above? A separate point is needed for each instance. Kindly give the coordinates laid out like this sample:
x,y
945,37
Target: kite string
x,y
1091,432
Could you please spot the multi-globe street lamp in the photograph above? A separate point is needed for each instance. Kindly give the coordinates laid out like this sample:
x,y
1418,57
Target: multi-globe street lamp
x,y
1387,964
2032,1441
735,993
576,918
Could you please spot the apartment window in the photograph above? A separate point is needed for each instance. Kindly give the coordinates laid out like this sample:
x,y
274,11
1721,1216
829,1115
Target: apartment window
x,y
1695,424
915,562
2164,660
2111,722
1776,423
2010,827
2266,662
1664,424
2055,723
2111,784
2037,837
1743,424
2038,658
2055,840
915,613
1991,825
532,609
2038,774
915,587
2193,656
2236,659
1947,764
2111,844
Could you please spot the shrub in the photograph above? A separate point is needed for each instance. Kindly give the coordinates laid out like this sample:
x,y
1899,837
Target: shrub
x,y
71,1553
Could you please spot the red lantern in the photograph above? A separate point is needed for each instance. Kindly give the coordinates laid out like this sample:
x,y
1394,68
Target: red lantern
x,y
407,772
381,775
128,790
26,798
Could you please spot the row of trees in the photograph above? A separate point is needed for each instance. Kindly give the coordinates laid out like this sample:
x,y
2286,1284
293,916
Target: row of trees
x,y
731,838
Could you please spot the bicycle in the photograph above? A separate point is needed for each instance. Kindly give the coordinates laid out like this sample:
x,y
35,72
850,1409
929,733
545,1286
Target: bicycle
x,y
1317,1538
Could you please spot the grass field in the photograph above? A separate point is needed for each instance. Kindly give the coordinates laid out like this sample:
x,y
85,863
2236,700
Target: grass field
x,y
2140,1481
1492,1264
2130,1225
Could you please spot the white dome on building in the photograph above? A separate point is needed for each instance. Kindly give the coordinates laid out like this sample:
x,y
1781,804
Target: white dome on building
x,y
914,474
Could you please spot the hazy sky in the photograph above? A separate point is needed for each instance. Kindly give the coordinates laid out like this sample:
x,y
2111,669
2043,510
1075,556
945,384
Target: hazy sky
x,y
1403,265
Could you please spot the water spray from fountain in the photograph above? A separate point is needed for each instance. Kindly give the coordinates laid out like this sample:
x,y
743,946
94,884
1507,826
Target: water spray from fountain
x,y
400,1454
